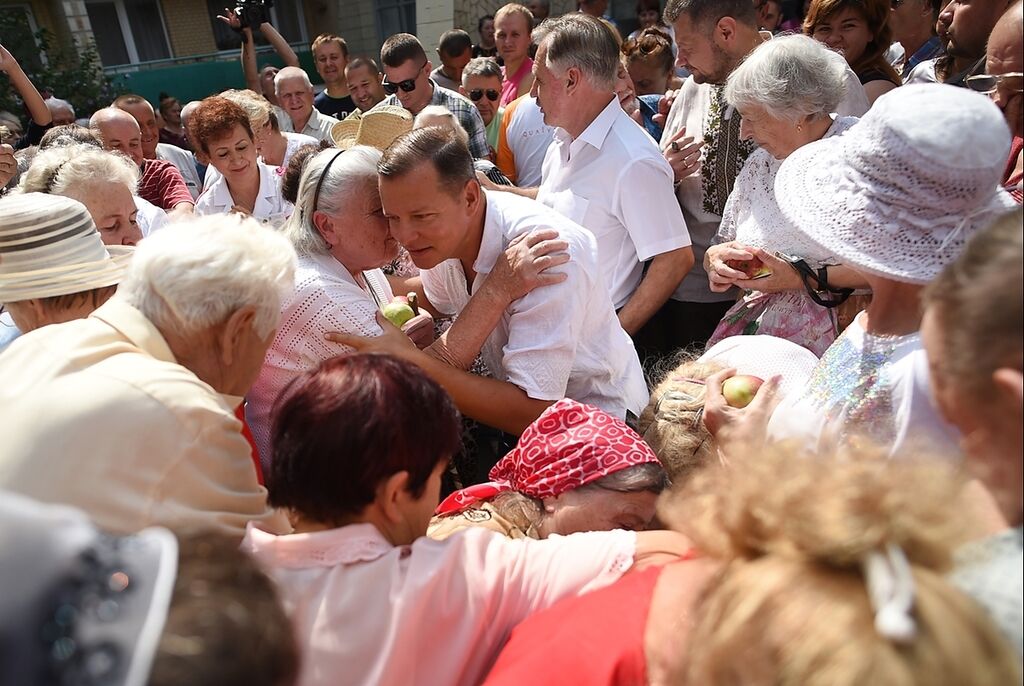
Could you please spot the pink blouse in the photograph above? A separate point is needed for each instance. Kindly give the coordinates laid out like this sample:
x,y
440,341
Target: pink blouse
x,y
510,84
434,612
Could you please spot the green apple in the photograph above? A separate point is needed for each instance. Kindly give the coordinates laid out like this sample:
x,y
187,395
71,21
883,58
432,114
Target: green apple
x,y
398,312
740,390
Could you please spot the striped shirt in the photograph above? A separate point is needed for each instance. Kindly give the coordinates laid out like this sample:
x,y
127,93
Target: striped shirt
x,y
163,185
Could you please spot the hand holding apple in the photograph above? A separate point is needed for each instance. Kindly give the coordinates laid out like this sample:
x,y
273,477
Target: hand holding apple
x,y
398,311
735,426
739,391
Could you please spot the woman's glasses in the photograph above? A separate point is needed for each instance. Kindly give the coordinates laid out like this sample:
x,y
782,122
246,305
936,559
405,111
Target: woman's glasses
x,y
478,93
407,86
985,83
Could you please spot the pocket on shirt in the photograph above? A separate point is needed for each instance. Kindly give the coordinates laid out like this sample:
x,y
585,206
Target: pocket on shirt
x,y
571,206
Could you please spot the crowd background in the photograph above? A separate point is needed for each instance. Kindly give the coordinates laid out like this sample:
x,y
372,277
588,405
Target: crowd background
x,y
545,354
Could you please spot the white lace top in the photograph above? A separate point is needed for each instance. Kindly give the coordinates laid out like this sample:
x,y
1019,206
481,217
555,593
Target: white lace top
x,y
752,217
326,298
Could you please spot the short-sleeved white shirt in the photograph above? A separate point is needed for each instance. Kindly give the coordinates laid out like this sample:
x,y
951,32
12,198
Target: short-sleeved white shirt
x,y
271,207
366,612
528,138
561,340
613,181
326,298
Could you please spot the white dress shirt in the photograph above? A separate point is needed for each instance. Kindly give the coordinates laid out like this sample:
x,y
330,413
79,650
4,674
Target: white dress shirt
x,y
270,207
326,298
561,340
613,181
318,126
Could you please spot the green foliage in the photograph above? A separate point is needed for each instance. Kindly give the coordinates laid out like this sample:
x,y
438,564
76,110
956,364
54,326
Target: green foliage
x,y
76,75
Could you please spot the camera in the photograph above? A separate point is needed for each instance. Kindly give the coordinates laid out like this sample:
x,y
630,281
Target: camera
x,y
252,13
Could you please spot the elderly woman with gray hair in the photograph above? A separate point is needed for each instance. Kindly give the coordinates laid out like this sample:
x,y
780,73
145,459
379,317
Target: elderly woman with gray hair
x,y
786,91
343,239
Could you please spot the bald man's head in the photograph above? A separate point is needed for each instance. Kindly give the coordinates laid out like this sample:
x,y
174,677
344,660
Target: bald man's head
x,y
119,131
1004,56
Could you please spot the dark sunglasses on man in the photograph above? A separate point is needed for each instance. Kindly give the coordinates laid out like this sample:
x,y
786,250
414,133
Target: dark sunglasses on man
x,y
407,86
478,93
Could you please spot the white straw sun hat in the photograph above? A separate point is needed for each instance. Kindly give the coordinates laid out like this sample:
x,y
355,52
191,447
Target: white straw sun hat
x,y
900,192
49,246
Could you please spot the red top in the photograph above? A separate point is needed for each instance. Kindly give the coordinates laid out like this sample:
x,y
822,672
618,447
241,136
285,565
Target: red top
x,y
597,638
163,185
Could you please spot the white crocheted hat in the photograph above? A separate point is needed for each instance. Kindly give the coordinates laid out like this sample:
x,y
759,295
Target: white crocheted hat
x,y
900,192
49,246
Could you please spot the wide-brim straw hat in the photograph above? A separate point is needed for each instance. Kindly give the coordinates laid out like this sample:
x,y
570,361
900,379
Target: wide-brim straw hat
x,y
377,128
49,246
899,193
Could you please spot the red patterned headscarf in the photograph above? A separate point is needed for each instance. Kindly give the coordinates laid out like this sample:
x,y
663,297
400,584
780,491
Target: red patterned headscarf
x,y
569,445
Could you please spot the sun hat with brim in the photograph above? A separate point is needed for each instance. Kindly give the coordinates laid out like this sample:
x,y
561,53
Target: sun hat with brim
x,y
899,193
765,357
49,246
377,128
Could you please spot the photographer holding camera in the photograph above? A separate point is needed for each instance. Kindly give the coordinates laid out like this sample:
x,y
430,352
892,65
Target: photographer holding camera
x,y
242,20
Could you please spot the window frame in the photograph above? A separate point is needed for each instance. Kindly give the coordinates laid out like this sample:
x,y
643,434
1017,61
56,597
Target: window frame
x,y
129,36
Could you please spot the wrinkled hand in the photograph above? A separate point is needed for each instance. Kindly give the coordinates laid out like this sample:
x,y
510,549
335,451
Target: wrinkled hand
x,y
238,209
392,340
722,277
783,277
8,165
683,154
664,105
738,429
230,18
420,329
526,263
486,182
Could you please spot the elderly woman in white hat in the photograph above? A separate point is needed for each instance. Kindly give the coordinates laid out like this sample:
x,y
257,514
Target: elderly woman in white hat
x,y
55,267
896,198
785,90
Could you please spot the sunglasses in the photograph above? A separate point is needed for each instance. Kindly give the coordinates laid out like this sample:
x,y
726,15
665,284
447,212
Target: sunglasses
x,y
985,83
407,86
478,93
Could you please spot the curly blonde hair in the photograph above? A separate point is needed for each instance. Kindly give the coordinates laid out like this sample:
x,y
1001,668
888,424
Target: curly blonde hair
x,y
673,421
790,604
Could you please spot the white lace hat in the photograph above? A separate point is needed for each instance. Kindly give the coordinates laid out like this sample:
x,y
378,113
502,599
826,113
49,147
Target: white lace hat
x,y
900,192
764,357
49,246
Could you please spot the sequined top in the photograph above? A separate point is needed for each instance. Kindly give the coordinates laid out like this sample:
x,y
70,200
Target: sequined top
x,y
868,386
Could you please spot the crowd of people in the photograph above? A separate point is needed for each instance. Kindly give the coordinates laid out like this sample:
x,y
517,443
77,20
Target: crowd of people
x,y
689,357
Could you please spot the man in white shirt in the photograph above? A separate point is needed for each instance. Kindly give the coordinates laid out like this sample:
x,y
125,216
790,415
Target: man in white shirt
x,y
713,37
557,341
295,93
523,141
604,172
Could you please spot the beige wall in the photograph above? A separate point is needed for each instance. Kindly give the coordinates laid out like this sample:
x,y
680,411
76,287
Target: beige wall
x,y
188,27
357,25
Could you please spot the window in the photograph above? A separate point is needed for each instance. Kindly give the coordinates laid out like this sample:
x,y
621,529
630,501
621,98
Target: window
x,y
287,17
128,31
19,30
395,16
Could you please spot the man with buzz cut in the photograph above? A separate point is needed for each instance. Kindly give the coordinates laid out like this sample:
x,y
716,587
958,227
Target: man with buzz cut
x,y
330,56
559,340
408,84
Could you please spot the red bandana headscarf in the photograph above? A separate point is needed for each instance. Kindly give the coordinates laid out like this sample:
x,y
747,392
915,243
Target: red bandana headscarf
x,y
569,445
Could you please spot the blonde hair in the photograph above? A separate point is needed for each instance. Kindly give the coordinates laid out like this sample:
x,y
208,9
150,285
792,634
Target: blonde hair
x,y
74,170
790,604
673,421
514,8
256,107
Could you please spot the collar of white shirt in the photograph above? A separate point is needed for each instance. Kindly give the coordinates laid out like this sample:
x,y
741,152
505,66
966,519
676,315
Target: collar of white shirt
x,y
265,198
594,135
313,123
342,546
492,241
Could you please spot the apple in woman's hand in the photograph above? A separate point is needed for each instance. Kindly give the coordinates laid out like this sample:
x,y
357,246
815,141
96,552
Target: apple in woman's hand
x,y
398,311
739,391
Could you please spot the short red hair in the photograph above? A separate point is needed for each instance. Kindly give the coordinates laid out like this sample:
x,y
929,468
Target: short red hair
x,y
214,118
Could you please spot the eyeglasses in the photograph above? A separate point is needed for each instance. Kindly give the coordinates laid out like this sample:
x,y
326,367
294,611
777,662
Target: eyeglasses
x,y
986,83
407,86
478,93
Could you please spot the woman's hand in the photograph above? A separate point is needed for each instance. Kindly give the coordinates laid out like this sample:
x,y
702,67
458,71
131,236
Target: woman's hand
x,y
487,184
526,264
8,164
782,278
683,155
420,329
733,428
392,340
7,61
717,259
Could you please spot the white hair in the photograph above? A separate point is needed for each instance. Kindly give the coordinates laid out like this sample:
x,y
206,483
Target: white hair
x,y
345,180
291,73
56,105
578,40
441,112
790,77
74,170
195,274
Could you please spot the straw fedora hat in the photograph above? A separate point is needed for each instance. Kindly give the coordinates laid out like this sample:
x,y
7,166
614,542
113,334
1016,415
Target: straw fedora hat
x,y
378,128
49,246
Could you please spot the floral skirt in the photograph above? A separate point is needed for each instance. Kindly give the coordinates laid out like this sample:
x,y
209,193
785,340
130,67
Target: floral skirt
x,y
787,314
